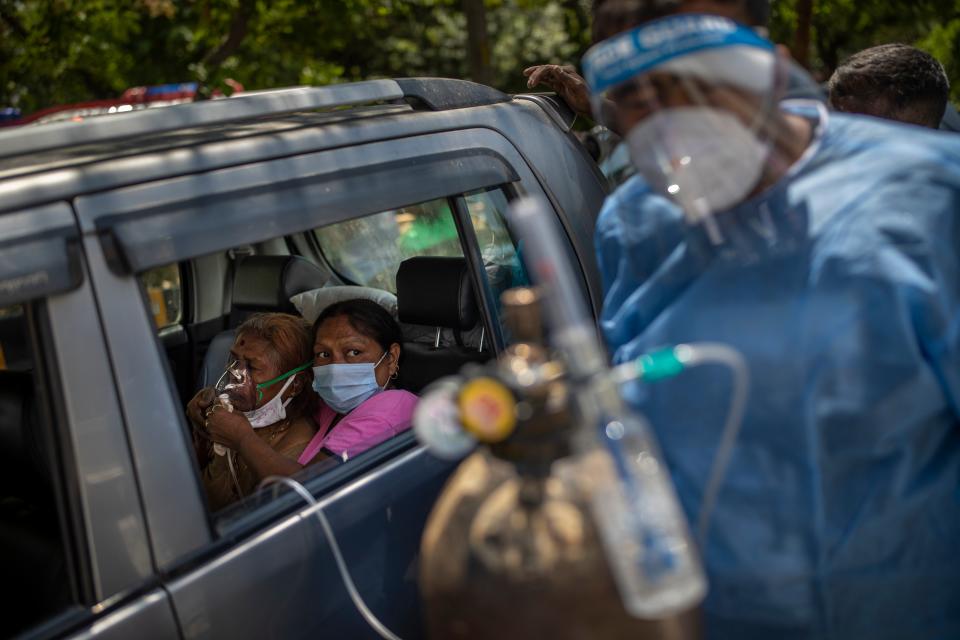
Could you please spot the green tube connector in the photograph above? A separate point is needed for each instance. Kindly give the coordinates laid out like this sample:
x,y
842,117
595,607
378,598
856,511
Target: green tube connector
x,y
658,365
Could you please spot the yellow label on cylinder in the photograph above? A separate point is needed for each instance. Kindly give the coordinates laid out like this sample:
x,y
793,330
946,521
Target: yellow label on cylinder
x,y
487,410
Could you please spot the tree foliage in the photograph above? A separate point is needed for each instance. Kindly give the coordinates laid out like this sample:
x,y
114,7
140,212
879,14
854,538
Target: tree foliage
x,y
840,28
61,51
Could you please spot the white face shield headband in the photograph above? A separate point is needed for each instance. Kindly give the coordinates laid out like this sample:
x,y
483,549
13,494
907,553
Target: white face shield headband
x,y
691,94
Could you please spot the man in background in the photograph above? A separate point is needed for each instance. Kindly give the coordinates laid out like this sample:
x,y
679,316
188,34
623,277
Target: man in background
x,y
892,81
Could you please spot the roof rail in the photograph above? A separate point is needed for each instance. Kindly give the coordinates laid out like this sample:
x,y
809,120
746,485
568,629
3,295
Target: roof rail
x,y
251,104
440,94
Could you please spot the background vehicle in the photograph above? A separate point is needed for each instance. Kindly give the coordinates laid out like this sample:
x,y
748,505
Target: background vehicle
x,y
131,245
133,99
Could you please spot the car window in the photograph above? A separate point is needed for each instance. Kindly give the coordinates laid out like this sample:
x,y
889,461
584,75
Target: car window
x,y
164,294
500,253
366,251
34,552
426,229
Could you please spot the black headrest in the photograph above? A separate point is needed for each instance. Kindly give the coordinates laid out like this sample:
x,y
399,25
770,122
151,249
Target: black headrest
x,y
265,283
436,292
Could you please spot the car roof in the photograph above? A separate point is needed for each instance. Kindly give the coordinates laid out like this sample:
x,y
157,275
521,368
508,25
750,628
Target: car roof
x,y
39,147
128,183
185,139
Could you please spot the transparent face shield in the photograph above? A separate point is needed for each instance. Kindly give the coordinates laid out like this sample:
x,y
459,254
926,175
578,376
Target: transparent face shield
x,y
695,98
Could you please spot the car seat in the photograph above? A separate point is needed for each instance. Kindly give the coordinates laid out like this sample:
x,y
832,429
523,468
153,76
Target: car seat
x,y
260,283
436,292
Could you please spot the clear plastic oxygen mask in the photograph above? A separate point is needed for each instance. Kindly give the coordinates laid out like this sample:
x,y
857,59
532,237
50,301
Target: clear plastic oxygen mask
x,y
232,390
235,389
694,97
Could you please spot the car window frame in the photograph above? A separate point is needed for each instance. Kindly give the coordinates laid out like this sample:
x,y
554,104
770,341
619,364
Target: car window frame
x,y
481,283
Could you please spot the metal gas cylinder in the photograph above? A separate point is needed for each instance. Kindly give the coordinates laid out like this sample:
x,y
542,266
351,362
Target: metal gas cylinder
x,y
511,549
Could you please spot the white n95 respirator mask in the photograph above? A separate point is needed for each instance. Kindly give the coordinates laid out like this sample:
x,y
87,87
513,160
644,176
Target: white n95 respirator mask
x,y
704,158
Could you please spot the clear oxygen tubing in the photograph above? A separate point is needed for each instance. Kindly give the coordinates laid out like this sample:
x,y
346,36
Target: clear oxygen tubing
x,y
351,588
670,362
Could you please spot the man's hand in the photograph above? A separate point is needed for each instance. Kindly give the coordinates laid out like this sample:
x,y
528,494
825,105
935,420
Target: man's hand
x,y
565,80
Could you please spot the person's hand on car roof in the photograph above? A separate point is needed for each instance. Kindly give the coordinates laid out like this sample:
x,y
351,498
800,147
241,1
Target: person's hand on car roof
x,y
565,80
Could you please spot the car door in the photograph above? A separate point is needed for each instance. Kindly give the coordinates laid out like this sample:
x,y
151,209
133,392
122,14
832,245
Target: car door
x,y
76,558
266,568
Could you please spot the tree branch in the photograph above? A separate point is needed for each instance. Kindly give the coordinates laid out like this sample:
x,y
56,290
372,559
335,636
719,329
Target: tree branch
x,y
238,31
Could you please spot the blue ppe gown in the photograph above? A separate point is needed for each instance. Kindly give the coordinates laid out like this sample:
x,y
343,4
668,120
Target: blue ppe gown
x,y
839,516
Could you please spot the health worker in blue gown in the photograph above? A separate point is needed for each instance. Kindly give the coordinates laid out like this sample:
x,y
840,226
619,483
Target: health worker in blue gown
x,y
825,248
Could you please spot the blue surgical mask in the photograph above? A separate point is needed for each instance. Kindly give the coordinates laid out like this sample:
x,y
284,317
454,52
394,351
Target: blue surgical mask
x,y
343,386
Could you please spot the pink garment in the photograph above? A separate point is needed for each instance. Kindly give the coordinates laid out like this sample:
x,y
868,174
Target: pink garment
x,y
375,420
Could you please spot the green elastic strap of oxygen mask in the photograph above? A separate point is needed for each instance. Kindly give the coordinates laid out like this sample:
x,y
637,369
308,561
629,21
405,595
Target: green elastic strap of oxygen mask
x,y
282,376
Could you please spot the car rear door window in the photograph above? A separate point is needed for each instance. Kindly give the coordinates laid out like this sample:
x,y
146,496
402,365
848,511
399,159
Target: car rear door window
x,y
367,251
34,551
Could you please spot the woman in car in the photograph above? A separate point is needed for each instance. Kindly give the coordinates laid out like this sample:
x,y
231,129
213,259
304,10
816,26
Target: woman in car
x,y
257,421
356,357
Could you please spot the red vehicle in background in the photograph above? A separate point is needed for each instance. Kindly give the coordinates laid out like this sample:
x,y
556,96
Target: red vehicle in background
x,y
132,99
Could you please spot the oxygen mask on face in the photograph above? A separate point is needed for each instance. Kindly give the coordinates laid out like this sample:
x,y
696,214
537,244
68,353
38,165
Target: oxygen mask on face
x,y
235,390
693,97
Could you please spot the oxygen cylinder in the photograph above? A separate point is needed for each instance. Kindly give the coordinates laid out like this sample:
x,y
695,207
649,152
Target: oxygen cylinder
x,y
511,548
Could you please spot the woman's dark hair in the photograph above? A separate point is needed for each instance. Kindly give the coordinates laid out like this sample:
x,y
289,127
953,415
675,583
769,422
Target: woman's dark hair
x,y
367,317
